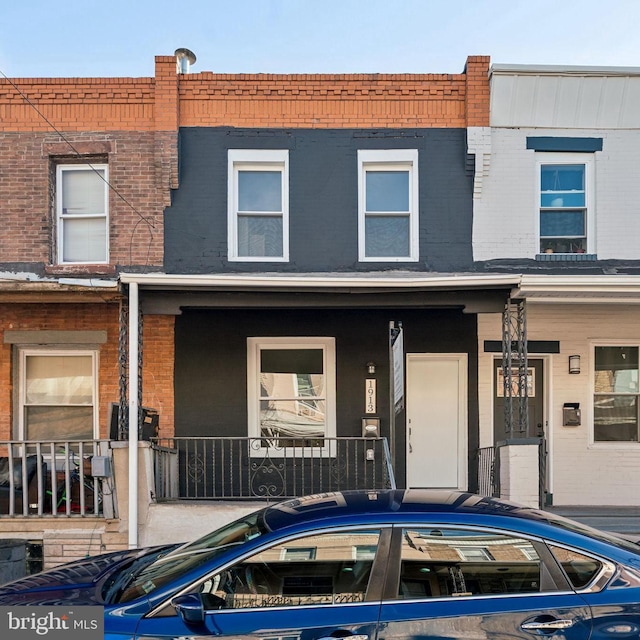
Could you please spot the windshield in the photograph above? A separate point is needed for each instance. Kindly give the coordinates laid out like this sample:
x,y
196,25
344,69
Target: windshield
x,y
191,556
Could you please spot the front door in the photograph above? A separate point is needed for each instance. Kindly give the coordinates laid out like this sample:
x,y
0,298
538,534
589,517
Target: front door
x,y
436,420
536,403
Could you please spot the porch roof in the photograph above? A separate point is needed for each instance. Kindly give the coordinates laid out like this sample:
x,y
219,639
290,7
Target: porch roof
x,y
472,293
579,289
306,281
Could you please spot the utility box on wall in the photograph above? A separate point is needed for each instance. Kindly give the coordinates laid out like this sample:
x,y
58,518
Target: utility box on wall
x,y
571,414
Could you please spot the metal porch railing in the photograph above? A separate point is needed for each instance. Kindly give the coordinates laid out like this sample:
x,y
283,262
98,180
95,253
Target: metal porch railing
x,y
54,478
253,468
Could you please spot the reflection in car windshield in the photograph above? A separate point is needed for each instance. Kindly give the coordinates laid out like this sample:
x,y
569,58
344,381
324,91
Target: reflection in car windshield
x,y
193,555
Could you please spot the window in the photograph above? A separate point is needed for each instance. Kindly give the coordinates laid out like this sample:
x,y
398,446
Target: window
x,y
566,212
459,562
58,394
580,569
258,197
615,398
291,391
388,205
299,553
274,577
82,213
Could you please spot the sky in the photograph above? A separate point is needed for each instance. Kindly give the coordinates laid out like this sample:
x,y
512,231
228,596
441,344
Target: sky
x,y
105,38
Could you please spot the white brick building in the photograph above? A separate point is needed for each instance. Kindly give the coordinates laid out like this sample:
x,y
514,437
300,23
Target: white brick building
x,y
557,200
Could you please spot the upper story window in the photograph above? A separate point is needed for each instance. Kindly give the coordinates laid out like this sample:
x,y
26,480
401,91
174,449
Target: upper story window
x,y
388,205
566,204
82,212
258,213
616,392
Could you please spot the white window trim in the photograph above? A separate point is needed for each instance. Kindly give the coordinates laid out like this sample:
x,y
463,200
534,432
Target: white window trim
x,y
60,216
25,352
254,346
588,160
588,415
389,159
256,159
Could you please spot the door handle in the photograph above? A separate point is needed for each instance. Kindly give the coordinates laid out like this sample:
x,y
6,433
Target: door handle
x,y
548,626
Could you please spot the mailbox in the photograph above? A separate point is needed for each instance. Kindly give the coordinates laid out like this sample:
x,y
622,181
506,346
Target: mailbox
x,y
571,414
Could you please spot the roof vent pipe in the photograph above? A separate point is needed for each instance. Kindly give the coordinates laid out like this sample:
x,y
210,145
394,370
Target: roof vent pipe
x,y
184,59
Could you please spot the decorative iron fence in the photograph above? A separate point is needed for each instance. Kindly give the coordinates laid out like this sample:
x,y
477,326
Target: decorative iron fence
x,y
56,478
252,468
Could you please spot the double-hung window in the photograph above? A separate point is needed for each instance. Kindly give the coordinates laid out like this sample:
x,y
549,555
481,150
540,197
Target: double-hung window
x,y
82,207
258,205
291,391
58,394
565,204
388,205
616,393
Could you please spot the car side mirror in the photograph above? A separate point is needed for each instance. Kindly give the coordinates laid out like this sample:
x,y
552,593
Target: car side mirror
x,y
190,608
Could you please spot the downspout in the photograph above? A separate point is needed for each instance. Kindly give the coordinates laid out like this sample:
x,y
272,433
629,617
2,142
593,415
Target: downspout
x,y
134,384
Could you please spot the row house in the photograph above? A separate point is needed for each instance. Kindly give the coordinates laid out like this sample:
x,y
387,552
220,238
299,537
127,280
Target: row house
x,y
319,288
295,284
86,168
556,202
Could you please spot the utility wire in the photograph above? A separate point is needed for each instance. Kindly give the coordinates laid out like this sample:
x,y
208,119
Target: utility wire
x,y
150,223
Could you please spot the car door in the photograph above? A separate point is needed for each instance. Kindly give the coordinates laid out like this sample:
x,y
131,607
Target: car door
x,y
466,582
303,588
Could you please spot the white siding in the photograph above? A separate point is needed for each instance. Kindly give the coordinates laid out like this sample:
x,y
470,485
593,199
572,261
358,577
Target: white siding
x,y
582,473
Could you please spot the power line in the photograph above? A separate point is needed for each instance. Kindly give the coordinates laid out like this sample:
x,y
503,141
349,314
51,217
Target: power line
x,y
150,224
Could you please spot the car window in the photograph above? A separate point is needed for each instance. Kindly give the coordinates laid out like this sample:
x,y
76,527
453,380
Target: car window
x,y
191,556
580,569
327,568
462,562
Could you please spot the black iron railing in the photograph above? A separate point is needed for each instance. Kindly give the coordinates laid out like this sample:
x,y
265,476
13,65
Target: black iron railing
x,y
251,468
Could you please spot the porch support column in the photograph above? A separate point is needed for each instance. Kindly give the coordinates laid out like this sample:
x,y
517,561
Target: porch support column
x,y
134,384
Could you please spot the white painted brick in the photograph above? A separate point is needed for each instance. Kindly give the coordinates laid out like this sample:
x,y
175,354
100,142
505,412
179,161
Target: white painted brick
x,y
506,210
581,472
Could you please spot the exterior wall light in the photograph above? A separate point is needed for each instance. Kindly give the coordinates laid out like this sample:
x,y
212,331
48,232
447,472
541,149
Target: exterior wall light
x,y
574,364
371,368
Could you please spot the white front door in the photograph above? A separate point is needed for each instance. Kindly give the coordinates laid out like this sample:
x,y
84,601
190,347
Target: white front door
x,y
437,420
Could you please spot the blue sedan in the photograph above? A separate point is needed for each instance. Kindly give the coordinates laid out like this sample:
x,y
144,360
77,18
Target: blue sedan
x,y
376,565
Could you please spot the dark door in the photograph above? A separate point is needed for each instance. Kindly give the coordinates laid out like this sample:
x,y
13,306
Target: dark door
x,y
536,403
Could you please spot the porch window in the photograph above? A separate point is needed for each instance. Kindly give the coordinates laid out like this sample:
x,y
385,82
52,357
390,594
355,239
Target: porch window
x,y
616,390
57,395
291,391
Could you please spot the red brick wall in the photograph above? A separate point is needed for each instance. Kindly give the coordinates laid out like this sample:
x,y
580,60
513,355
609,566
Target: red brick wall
x,y
28,209
157,373
61,317
157,382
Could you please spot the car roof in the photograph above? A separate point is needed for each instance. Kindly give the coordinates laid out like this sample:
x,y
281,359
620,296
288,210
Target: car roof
x,y
342,504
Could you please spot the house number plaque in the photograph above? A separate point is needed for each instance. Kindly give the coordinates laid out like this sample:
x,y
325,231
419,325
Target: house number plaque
x,y
370,395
